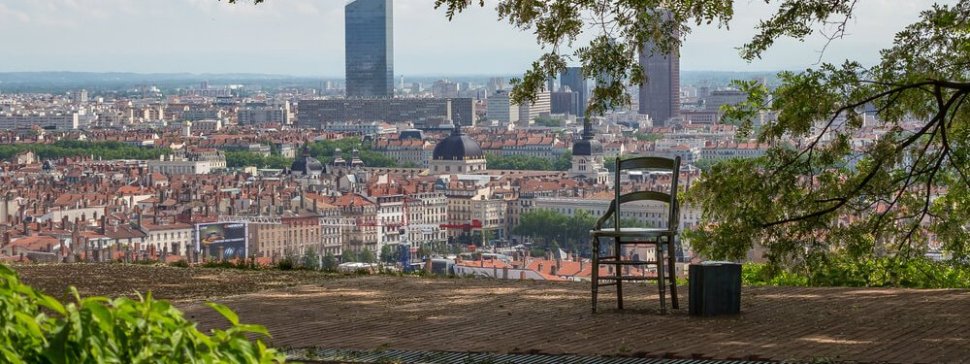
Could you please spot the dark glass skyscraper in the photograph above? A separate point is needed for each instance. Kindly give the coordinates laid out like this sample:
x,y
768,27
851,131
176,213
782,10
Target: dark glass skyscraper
x,y
573,78
660,95
370,48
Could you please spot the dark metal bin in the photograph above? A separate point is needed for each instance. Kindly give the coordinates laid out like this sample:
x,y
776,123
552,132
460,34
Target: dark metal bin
x,y
715,289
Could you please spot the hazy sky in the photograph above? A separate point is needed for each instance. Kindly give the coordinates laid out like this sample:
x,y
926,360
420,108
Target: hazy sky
x,y
305,37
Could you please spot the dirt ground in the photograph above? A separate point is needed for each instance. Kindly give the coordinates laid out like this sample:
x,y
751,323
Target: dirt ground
x,y
170,283
311,310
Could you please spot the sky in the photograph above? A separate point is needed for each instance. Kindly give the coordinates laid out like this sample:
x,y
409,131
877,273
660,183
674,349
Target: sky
x,y
305,38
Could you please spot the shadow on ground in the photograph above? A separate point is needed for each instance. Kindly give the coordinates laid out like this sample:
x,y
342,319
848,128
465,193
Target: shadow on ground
x,y
473,315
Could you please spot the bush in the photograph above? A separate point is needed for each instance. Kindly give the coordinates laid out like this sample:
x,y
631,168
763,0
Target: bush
x,y
182,263
285,264
36,328
329,263
844,271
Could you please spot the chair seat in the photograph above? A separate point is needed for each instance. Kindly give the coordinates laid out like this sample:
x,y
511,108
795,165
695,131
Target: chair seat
x,y
631,232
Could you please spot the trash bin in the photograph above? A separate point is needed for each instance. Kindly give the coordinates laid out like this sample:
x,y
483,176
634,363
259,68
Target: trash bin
x,y
715,289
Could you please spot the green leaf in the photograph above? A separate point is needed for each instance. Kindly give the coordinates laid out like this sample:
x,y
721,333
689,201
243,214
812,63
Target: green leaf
x,y
225,312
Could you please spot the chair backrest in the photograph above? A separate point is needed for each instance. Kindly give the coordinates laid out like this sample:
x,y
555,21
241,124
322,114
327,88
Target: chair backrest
x,y
648,163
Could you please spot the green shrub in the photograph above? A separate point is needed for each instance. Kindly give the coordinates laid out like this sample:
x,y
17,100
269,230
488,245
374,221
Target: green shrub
x,y
285,264
843,271
36,328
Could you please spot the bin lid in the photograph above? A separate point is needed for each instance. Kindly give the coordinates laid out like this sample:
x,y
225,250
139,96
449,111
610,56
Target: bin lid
x,y
717,262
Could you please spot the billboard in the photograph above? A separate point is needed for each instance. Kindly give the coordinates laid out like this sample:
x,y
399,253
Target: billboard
x,y
222,239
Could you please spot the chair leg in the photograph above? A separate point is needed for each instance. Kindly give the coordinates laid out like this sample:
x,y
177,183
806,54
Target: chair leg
x,y
672,269
661,283
618,252
596,270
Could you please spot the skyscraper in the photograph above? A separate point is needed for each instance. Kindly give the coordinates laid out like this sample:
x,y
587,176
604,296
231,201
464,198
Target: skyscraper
x,y
573,78
660,95
369,38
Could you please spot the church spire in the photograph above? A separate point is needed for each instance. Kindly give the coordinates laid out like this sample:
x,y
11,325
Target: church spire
x,y
457,122
587,129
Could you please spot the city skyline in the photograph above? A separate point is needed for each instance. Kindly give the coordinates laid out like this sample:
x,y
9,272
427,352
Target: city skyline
x,y
304,38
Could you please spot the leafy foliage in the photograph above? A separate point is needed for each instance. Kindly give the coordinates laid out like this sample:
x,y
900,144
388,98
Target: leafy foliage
x,y
38,329
238,159
367,256
819,196
77,148
310,260
326,150
882,272
529,163
555,229
622,29
329,263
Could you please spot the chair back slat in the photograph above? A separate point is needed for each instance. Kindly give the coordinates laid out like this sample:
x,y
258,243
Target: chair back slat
x,y
647,163
658,163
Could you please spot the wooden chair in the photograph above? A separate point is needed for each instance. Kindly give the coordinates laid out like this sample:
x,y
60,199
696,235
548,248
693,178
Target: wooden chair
x,y
661,238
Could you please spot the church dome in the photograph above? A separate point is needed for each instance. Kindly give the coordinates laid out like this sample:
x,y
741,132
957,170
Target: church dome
x,y
458,146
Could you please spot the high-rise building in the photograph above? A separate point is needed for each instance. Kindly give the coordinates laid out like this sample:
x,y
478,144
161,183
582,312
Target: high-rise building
x,y
660,95
369,35
529,111
573,78
322,113
565,102
501,108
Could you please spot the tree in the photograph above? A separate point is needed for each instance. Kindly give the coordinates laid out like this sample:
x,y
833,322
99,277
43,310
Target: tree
x,y
367,256
816,193
348,256
389,254
329,263
310,260
564,162
518,162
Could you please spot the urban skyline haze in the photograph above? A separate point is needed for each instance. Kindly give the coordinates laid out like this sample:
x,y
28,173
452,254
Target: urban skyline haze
x,y
305,38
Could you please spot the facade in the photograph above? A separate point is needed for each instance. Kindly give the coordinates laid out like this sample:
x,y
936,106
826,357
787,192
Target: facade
x,y
500,107
573,78
320,113
180,167
588,160
67,120
660,95
171,239
718,98
529,111
263,114
369,34
287,235
425,213
565,102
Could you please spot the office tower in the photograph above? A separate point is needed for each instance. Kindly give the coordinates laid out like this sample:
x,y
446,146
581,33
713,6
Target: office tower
x,y
321,113
500,107
565,101
529,111
660,95
573,78
370,48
